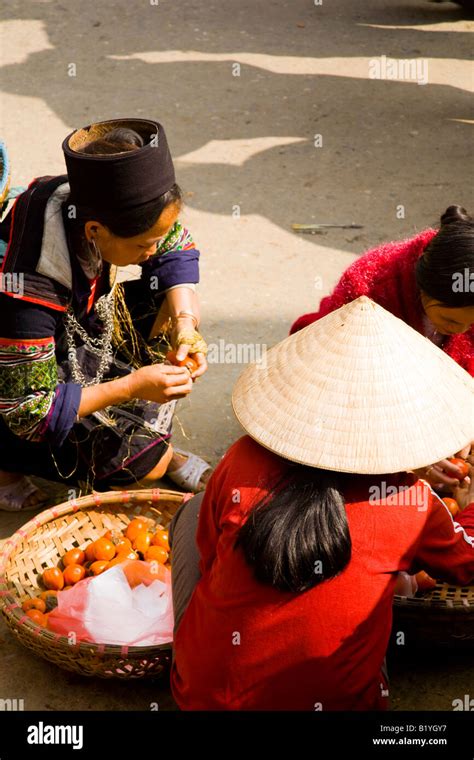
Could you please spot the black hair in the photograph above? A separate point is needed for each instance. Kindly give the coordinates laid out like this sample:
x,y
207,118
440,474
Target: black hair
x,y
446,259
140,219
298,536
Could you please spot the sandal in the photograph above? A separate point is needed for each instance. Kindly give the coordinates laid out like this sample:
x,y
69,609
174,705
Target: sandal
x,y
13,496
188,476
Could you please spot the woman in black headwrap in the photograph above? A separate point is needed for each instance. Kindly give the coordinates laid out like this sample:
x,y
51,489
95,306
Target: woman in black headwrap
x,y
84,393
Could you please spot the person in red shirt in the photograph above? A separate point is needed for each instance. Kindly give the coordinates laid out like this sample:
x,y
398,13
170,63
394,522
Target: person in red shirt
x,y
426,280
284,571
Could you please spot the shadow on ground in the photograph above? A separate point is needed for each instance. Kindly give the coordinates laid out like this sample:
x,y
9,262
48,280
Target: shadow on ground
x,y
379,136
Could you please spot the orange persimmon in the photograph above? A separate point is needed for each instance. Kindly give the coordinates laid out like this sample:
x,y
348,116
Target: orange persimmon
x,y
90,552
36,603
47,594
156,554
104,549
38,617
74,557
73,574
98,567
53,578
452,505
189,362
161,538
136,526
123,545
142,541
462,465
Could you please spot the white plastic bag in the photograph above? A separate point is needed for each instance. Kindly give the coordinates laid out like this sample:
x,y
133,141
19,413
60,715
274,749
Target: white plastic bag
x,y
130,604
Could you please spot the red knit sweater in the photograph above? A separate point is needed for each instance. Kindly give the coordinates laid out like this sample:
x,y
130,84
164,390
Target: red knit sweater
x,y
387,275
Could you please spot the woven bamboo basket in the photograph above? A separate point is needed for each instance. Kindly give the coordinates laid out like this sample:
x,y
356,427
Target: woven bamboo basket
x,y
42,541
442,617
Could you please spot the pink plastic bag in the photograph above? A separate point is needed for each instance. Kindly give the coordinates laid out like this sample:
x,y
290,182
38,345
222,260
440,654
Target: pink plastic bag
x,y
130,604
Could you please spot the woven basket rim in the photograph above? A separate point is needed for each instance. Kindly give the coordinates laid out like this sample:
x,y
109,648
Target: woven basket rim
x,y
450,606
9,603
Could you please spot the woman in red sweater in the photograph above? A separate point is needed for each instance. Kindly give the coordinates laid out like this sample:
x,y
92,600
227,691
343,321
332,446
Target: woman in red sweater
x,y
283,596
428,281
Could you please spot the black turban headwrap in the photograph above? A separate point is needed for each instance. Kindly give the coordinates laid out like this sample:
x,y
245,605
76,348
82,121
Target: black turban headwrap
x,y
120,181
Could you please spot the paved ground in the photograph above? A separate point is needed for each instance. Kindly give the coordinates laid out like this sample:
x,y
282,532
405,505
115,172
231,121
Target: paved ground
x,y
248,92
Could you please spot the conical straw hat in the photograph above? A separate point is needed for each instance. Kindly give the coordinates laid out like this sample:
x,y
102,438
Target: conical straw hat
x,y
357,391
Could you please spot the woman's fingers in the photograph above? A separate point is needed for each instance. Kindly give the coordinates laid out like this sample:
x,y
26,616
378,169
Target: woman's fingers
x,y
178,391
177,396
444,473
449,468
201,360
172,374
160,383
182,352
178,383
464,494
170,381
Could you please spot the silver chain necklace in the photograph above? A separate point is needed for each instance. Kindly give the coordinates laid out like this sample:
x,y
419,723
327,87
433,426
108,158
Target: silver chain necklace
x,y
101,346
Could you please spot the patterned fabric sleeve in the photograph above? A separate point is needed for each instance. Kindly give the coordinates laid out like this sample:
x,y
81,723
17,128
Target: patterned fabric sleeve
x,y
28,380
176,261
33,404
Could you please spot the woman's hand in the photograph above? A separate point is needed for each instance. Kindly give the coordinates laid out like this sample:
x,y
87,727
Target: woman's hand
x,y
442,475
200,358
187,327
160,383
464,494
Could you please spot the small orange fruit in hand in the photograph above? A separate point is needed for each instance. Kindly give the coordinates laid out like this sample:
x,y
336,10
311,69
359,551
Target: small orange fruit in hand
x,y
135,527
98,567
156,554
142,541
73,574
189,362
161,538
53,578
462,465
425,582
34,604
452,505
74,557
38,617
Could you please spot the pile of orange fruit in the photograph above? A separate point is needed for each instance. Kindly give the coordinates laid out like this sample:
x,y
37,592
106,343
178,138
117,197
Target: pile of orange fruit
x,y
114,547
